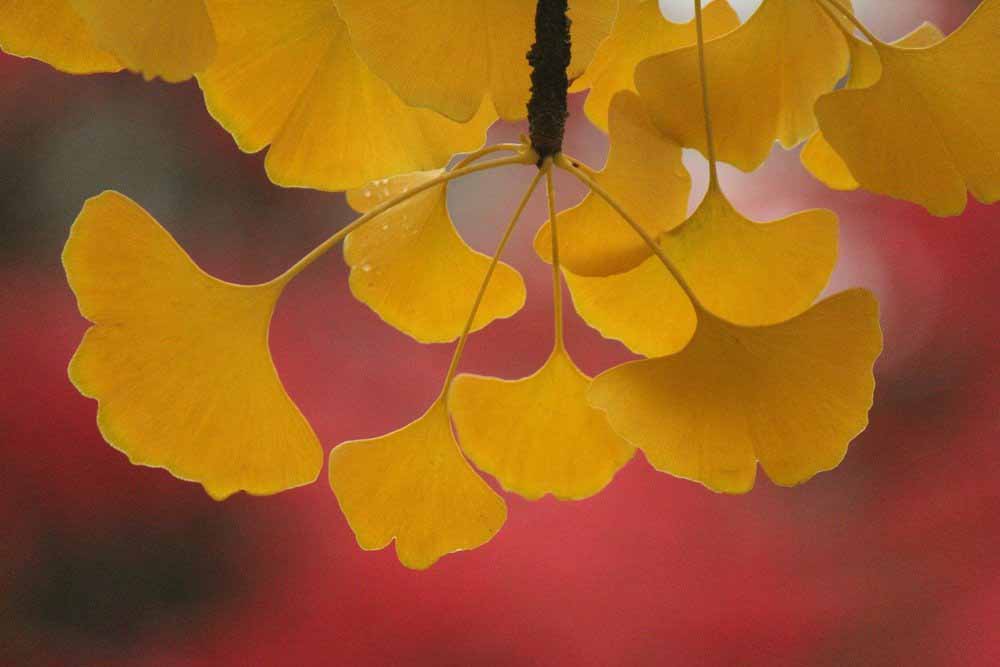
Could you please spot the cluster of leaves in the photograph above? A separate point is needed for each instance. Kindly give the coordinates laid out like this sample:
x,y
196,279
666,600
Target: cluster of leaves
x,y
740,364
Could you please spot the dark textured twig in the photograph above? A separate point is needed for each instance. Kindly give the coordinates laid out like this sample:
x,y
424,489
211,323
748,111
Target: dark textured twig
x,y
549,58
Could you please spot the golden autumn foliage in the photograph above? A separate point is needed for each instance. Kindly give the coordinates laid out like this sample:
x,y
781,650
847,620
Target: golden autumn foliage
x,y
740,365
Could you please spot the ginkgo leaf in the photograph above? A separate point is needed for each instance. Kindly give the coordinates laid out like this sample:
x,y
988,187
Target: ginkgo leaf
x,y
538,435
818,156
451,56
287,76
641,32
171,39
820,160
365,199
763,80
53,32
745,272
414,270
791,396
645,173
644,308
753,273
413,486
926,132
179,361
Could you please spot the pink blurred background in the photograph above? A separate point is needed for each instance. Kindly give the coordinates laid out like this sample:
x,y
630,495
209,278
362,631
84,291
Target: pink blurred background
x,y
890,559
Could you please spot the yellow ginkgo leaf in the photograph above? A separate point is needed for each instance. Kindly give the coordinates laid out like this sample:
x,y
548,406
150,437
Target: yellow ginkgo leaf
x,y
179,361
414,486
763,80
927,131
538,435
745,272
53,32
451,56
414,270
645,172
820,160
287,76
644,308
171,39
641,32
368,197
753,273
791,396
818,156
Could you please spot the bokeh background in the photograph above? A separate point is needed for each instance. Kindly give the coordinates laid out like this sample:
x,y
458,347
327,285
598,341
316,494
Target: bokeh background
x,y
890,559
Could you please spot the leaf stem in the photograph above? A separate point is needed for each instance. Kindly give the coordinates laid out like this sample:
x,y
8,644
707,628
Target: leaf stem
x,y
463,339
489,150
713,166
854,19
525,157
557,291
565,164
844,30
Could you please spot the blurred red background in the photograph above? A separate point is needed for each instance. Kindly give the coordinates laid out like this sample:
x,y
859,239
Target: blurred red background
x,y
889,559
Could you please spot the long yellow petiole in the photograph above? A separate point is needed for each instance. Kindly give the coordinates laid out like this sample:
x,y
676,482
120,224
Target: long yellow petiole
x,y
713,164
841,9
844,30
489,150
460,348
571,166
557,292
526,157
